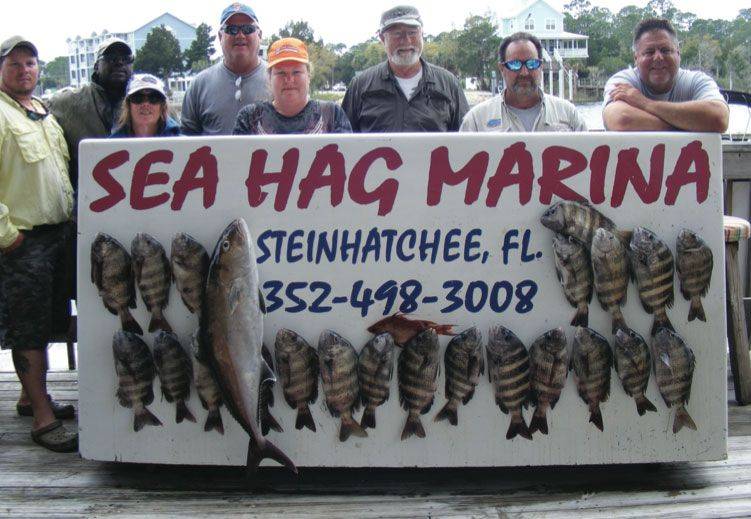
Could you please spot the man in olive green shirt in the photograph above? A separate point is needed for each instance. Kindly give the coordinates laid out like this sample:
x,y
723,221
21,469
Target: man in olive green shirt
x,y
36,203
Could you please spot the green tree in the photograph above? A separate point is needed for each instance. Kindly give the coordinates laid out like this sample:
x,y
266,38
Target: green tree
x,y
478,46
198,55
160,55
324,61
299,29
56,73
443,50
359,57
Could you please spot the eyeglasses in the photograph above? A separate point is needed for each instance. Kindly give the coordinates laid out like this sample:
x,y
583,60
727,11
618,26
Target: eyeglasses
x,y
515,65
141,97
405,34
238,92
246,28
118,59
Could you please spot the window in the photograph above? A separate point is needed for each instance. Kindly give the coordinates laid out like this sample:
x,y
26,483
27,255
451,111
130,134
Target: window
x,y
529,24
550,24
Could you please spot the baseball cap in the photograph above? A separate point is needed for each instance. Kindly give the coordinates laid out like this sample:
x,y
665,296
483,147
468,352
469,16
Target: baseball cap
x,y
145,82
235,9
405,14
16,41
287,49
111,42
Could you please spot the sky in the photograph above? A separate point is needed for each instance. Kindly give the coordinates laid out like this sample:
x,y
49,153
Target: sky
x,y
50,23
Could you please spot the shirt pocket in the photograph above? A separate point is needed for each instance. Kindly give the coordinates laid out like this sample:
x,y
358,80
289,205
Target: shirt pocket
x,y
30,143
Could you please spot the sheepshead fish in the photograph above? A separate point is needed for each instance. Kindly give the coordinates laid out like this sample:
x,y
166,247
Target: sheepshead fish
x,y
610,265
232,336
190,263
175,372
418,366
338,367
464,367
208,389
375,368
591,360
652,263
547,371
574,271
508,370
135,373
694,264
579,220
632,363
153,277
297,365
112,274
403,328
266,397
674,364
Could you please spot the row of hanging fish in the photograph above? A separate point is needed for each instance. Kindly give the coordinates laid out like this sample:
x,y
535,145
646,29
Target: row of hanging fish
x,y
592,255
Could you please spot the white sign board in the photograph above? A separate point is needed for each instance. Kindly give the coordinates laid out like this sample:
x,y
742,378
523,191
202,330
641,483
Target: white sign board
x,y
352,228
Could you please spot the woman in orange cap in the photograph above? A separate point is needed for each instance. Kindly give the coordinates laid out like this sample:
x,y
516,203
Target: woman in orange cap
x,y
291,110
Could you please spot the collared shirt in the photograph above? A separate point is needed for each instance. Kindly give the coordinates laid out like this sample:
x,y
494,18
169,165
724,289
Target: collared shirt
x,y
493,115
34,184
689,85
374,102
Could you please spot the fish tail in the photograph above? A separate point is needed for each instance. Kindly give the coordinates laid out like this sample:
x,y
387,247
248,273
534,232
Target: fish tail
x,y
619,323
305,419
448,413
643,405
581,317
595,417
444,329
538,422
268,450
413,426
183,413
518,427
129,322
144,417
214,421
661,320
368,418
696,310
268,422
159,322
349,427
683,418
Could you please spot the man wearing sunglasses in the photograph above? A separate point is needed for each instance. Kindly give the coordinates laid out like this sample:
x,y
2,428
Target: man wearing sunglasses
x,y
36,204
217,94
522,106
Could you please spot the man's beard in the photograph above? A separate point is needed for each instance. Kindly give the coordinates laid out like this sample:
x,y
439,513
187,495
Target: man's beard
x,y
404,59
529,89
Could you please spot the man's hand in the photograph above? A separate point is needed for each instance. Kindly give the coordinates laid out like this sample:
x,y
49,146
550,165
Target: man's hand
x,y
13,246
630,95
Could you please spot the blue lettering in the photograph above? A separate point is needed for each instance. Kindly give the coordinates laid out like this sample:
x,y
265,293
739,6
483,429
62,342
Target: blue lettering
x,y
372,245
350,247
450,244
325,248
293,245
471,243
429,246
410,234
508,244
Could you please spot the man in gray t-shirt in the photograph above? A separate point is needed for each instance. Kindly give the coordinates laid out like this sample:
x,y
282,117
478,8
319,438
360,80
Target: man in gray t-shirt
x,y
656,94
217,94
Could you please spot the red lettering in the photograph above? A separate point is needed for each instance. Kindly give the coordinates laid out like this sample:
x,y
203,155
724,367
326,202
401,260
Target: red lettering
x,y
142,179
551,181
257,178
598,165
627,171
199,160
115,192
441,173
691,154
327,158
385,193
515,156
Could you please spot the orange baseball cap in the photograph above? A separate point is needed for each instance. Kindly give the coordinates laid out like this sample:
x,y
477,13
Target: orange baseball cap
x,y
287,49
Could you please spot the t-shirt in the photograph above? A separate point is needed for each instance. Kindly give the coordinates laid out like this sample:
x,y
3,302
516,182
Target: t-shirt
x,y
690,85
316,117
527,116
210,106
408,85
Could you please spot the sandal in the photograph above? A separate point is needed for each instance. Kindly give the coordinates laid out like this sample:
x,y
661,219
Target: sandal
x,y
61,411
56,437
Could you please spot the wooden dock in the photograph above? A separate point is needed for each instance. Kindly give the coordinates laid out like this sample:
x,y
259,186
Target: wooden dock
x,y
38,483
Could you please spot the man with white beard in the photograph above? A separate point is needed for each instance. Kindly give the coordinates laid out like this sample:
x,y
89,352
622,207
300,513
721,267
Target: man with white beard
x,y
405,93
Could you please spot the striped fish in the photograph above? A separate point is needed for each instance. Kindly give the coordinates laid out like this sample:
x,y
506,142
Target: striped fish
x,y
208,389
112,274
574,271
694,264
508,371
579,220
632,363
547,371
375,368
297,364
153,277
418,366
135,373
610,265
175,372
464,367
652,263
338,367
673,363
189,262
591,360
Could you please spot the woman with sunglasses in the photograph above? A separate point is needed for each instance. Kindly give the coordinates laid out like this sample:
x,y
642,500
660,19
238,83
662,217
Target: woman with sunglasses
x,y
291,110
144,112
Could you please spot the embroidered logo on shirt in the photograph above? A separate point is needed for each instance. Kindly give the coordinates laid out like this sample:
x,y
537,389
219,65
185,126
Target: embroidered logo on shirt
x,y
492,123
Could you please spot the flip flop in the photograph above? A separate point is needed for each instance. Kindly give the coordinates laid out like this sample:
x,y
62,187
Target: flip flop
x,y
56,437
61,411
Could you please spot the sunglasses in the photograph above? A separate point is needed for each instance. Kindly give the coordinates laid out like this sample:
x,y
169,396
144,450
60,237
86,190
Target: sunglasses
x,y
34,115
246,28
153,98
118,59
515,65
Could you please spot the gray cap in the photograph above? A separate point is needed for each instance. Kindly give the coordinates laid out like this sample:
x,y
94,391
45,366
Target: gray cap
x,y
16,41
404,14
111,42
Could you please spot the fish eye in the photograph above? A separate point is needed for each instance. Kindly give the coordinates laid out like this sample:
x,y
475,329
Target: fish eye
x,y
225,245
